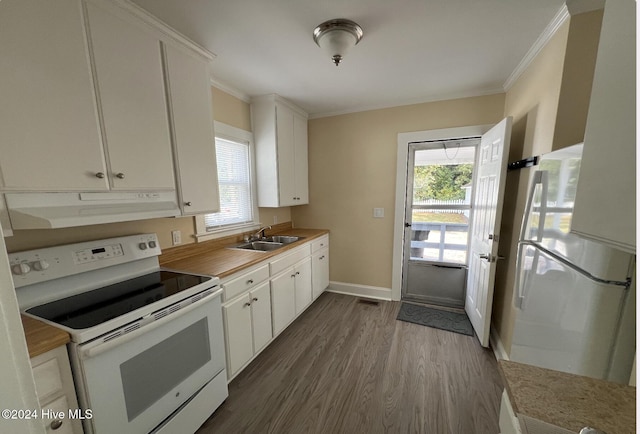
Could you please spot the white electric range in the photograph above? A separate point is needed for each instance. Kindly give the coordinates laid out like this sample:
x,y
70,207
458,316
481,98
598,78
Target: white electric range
x,y
147,345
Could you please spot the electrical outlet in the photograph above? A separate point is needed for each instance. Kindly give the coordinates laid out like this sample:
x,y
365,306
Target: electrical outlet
x,y
275,219
176,237
378,213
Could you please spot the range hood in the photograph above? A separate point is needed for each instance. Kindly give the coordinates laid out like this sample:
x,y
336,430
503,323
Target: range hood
x,y
63,210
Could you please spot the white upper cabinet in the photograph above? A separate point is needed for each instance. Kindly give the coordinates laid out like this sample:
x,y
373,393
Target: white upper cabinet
x,y
98,95
187,77
606,195
130,83
280,131
49,133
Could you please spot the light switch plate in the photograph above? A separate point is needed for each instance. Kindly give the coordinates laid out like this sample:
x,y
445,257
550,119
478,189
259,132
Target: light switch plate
x,y
378,213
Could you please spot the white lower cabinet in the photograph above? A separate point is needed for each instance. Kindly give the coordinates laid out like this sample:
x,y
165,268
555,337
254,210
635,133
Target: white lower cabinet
x,y
263,300
508,421
56,392
283,300
247,324
320,266
302,280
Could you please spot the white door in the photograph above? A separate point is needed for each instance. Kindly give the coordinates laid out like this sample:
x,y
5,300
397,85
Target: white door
x,y
485,227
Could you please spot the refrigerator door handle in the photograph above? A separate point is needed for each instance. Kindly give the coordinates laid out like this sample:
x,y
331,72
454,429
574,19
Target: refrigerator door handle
x,y
538,177
624,283
518,296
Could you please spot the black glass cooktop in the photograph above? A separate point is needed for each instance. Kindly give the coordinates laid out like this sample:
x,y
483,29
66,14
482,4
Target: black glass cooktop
x,y
100,305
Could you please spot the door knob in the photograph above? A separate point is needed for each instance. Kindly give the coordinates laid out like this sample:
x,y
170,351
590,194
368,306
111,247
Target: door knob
x,y
407,225
485,256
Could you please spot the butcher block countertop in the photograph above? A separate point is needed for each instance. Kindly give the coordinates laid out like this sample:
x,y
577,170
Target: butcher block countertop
x,y
42,337
213,258
570,401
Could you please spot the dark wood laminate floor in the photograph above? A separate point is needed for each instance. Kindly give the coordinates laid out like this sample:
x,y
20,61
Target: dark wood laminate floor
x,y
349,367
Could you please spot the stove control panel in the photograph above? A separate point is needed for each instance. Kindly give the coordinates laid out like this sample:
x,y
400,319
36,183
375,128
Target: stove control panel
x,y
97,253
35,266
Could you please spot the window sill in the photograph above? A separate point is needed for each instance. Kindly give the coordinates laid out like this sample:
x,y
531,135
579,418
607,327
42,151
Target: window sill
x,y
225,232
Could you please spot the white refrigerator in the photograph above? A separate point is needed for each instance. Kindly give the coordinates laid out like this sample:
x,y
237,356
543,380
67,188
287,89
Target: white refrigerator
x,y
574,298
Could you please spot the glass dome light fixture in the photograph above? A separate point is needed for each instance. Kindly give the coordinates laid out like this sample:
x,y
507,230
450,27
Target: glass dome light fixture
x,y
337,36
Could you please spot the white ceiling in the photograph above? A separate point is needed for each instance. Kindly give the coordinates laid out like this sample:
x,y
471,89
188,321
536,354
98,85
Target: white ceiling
x,y
412,50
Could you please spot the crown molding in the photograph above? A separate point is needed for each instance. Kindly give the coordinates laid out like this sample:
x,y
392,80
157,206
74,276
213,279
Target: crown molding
x,y
558,20
155,23
230,90
435,98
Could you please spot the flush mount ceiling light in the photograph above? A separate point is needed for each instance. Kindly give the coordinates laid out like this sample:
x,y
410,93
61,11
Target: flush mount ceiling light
x,y
337,36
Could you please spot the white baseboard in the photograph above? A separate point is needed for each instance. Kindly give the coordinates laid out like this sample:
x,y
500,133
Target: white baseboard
x,y
374,292
496,345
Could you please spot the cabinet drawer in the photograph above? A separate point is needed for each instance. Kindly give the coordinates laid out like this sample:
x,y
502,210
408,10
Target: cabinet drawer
x,y
47,377
287,261
320,244
245,282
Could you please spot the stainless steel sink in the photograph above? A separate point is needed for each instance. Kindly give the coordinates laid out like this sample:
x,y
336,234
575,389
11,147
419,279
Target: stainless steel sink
x,y
284,239
259,246
267,244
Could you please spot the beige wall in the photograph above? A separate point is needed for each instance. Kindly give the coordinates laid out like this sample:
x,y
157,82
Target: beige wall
x,y
230,110
352,169
227,109
549,103
577,78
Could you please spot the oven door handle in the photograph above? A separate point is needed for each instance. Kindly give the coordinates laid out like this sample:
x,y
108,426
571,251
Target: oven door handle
x,y
97,347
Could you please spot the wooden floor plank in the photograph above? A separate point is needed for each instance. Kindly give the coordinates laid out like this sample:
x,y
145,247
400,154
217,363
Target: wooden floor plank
x,y
349,367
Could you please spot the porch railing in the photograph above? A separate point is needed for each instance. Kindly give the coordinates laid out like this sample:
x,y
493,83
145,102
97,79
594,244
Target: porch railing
x,y
420,239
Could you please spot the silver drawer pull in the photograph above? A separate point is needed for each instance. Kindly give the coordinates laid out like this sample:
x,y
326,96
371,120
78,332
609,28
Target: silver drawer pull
x,y
99,175
120,175
249,282
56,424
255,299
247,304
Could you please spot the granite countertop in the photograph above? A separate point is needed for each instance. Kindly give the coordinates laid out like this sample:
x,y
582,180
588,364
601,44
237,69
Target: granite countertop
x,y
216,260
570,401
42,337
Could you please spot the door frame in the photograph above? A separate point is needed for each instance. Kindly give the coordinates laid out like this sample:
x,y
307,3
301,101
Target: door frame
x,y
402,167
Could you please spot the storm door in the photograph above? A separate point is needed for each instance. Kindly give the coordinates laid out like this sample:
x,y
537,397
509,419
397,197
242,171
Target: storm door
x,y
437,217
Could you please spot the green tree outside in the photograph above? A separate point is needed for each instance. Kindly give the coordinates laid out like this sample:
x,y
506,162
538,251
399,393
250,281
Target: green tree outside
x,y
441,182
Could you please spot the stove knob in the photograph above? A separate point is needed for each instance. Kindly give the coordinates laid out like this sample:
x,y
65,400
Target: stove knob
x,y
152,244
40,265
21,269
142,246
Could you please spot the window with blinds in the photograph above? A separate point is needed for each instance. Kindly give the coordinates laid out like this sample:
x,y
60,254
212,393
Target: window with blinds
x,y
234,178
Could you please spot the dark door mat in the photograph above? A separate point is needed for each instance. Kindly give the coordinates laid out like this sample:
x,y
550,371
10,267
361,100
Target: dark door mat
x,y
436,318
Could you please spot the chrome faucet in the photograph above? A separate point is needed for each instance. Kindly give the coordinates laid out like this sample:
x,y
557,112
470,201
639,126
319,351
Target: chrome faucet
x,y
260,234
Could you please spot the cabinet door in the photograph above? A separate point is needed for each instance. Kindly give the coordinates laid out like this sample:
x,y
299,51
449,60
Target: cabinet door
x,y
261,316
54,425
605,204
301,164
283,300
303,285
320,272
190,102
128,69
49,133
237,323
286,160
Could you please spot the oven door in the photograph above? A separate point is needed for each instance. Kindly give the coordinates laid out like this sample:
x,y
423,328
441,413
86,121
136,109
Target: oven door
x,y
134,382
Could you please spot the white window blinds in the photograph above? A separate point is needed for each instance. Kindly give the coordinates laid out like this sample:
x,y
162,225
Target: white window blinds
x,y
234,178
